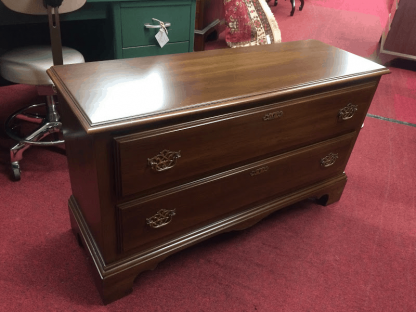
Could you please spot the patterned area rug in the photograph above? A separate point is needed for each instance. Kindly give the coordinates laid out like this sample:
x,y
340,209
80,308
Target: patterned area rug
x,y
250,22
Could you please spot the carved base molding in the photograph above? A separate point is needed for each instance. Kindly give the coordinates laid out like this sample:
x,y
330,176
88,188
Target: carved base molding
x,y
115,280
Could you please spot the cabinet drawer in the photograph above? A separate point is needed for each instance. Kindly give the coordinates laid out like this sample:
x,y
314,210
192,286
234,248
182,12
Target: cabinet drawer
x,y
169,48
171,212
205,148
135,34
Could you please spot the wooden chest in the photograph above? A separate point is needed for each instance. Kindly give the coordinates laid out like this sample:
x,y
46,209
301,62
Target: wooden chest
x,y
167,151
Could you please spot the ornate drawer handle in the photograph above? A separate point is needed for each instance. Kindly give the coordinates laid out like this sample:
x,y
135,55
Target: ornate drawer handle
x,y
161,218
329,160
164,160
347,112
273,115
259,170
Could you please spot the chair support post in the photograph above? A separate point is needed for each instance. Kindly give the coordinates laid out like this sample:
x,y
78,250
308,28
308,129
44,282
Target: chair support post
x,y
55,33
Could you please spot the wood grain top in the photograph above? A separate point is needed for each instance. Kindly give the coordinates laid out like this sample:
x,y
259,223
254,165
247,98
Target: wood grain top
x,y
136,90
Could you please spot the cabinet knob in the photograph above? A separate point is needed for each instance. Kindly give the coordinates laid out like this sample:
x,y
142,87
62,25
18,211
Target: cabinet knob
x,y
347,112
164,160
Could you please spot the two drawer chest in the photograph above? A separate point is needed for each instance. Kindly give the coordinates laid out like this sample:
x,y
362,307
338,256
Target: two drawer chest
x,y
167,151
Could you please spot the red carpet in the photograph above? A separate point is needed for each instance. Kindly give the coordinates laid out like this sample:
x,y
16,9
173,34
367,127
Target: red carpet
x,y
354,26
396,95
355,255
343,29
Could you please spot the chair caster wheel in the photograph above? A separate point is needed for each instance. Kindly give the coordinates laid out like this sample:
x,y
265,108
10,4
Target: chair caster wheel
x,y
15,172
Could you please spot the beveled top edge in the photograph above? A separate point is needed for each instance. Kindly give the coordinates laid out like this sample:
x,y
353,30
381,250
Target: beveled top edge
x,y
91,127
181,110
276,92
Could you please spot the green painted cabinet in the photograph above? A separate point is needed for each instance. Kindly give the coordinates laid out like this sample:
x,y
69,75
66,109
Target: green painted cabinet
x,y
133,39
119,26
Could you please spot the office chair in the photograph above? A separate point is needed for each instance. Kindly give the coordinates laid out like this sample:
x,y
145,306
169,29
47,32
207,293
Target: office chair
x,y
28,65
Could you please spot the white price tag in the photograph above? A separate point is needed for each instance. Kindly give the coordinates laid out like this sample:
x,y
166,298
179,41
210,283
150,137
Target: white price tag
x,y
268,39
162,37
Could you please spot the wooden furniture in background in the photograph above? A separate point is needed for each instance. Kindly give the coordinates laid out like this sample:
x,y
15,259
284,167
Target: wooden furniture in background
x,y
209,18
134,39
165,152
124,27
399,36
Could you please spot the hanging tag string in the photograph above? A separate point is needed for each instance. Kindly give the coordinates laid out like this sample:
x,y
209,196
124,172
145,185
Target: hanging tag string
x,y
161,25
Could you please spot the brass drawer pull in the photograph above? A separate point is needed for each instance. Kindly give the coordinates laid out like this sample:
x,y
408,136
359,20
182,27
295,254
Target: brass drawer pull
x,y
259,170
347,112
329,160
164,160
273,115
161,218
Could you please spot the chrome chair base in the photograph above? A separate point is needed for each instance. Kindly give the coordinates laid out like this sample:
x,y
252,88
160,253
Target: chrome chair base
x,y
47,125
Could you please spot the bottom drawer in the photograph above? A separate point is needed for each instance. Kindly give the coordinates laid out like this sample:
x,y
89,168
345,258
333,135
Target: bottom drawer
x,y
169,48
166,214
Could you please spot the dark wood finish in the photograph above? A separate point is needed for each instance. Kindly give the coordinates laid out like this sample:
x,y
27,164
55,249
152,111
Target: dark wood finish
x,y
251,130
399,37
162,88
260,180
201,145
207,11
209,18
115,281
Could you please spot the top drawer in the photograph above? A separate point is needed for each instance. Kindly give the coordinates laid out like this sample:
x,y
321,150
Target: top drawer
x,y
169,155
134,16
